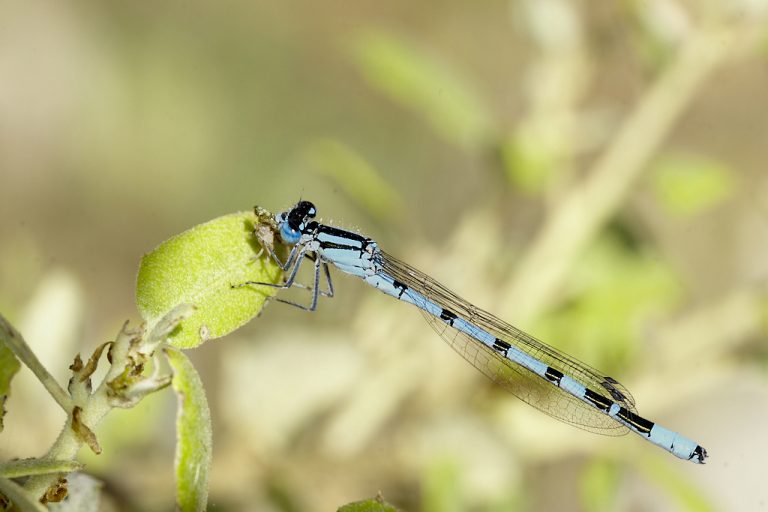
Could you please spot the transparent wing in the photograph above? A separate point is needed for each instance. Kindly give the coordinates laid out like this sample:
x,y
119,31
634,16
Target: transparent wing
x,y
520,381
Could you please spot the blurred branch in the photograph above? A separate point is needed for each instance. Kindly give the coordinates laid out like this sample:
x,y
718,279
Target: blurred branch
x,y
541,149
706,337
16,342
715,328
583,211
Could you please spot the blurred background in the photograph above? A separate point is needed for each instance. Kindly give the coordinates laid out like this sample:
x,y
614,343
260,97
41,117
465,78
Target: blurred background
x,y
592,172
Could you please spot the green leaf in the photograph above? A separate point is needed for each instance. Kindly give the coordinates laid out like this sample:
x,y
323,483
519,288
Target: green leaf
x,y
9,365
688,184
376,504
421,83
193,434
198,267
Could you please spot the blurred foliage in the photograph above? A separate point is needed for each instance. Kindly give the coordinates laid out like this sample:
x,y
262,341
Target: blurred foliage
x,y
422,83
613,286
661,25
690,184
360,181
599,486
442,487
529,162
687,495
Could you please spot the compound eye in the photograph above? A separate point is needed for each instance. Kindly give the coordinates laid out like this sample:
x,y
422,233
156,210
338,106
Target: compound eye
x,y
289,235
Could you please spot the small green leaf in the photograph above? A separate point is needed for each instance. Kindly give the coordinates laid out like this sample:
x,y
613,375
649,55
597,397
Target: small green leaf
x,y
688,184
376,504
9,365
193,434
421,83
198,267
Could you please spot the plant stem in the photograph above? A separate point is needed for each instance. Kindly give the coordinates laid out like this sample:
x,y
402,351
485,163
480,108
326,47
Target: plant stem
x,y
16,342
124,385
68,444
29,467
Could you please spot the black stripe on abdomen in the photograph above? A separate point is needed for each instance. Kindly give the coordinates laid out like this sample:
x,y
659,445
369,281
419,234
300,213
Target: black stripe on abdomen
x,y
401,286
553,376
501,346
640,424
448,316
598,400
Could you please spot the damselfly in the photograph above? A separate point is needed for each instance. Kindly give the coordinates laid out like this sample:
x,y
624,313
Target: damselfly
x,y
538,374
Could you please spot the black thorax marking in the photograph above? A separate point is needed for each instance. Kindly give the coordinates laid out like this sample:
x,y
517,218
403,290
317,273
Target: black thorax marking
x,y
345,240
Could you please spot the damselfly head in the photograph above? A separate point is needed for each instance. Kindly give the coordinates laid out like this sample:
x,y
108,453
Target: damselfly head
x,y
292,223
302,211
